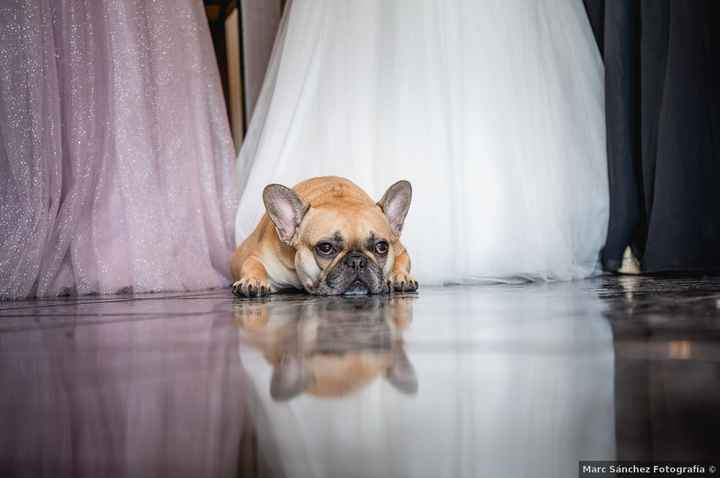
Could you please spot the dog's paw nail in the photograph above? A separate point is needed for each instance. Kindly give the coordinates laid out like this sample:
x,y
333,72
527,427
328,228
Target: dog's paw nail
x,y
236,288
403,283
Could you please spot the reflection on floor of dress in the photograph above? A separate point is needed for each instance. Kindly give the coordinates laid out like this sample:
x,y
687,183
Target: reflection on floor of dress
x,y
492,382
667,366
120,386
507,380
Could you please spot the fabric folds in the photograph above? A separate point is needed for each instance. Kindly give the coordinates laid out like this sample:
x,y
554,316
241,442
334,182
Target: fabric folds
x,y
662,82
493,110
116,157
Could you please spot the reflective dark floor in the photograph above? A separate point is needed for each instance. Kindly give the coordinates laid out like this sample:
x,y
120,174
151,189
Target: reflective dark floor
x,y
498,381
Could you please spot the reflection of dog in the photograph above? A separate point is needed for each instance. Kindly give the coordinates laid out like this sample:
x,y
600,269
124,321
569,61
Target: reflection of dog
x,y
327,236
331,347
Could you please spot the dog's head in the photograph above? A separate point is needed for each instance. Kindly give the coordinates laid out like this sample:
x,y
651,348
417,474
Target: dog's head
x,y
342,244
331,347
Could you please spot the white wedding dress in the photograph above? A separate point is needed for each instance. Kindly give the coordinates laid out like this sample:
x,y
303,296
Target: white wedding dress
x,y
493,109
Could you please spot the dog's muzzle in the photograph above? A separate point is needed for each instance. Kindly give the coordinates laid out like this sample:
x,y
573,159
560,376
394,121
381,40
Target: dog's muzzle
x,y
357,263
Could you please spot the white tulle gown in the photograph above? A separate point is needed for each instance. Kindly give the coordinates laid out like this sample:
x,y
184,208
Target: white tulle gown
x,y
493,109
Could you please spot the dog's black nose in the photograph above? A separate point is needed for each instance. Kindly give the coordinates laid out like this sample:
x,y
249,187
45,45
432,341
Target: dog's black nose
x,y
356,261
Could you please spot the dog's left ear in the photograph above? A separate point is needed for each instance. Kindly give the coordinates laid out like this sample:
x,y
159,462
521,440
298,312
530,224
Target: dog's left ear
x,y
401,374
395,203
286,210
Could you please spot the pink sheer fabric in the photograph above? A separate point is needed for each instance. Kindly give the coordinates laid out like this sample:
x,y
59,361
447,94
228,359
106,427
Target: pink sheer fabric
x,y
115,153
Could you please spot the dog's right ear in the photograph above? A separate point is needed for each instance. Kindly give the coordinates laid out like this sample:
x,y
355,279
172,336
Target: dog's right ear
x,y
290,378
286,210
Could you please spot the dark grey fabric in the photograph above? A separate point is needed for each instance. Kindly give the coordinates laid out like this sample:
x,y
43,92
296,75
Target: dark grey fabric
x,y
663,131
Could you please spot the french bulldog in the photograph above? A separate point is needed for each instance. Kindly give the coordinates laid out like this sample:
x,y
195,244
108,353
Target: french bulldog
x,y
328,237
332,346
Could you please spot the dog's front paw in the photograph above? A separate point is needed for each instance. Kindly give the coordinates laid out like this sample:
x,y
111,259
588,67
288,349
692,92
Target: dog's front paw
x,y
251,287
402,282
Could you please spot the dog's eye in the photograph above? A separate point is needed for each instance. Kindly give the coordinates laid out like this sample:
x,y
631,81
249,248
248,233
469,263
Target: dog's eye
x,y
325,249
381,247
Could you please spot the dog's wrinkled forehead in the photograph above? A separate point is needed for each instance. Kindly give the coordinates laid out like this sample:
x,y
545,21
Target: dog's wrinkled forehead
x,y
348,226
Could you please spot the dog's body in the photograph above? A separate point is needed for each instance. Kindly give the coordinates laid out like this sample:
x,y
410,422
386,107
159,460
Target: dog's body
x,y
326,236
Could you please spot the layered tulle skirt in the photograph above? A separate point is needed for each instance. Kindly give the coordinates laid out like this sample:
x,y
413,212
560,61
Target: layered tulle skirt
x,y
115,153
494,111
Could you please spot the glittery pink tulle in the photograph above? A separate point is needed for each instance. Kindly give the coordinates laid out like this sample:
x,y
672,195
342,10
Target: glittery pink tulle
x,y
115,153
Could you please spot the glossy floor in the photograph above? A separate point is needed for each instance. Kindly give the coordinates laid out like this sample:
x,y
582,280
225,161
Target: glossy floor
x,y
497,380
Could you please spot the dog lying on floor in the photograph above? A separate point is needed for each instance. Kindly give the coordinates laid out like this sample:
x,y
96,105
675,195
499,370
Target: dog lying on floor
x,y
327,236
